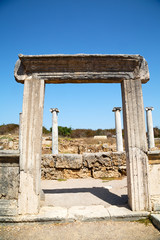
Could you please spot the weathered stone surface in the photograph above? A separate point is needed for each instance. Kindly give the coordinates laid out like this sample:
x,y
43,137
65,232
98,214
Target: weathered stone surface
x,y
82,68
72,161
48,160
51,174
129,70
9,182
88,213
104,173
97,165
154,179
135,145
30,154
8,207
96,159
9,175
74,173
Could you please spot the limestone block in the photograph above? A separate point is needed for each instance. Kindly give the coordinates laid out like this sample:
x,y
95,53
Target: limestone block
x,y
105,174
8,207
154,177
96,159
48,160
74,173
88,213
100,137
72,161
83,68
9,182
51,174
97,165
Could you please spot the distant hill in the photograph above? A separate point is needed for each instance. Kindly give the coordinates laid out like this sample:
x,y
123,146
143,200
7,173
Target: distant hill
x,y
9,128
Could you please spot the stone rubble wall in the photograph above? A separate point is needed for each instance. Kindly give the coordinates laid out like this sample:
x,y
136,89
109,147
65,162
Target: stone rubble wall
x,y
96,165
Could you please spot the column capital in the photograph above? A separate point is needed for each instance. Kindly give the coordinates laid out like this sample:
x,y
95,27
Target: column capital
x,y
116,109
149,108
54,110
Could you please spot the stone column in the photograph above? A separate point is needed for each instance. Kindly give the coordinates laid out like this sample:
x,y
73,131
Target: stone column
x,y
135,145
20,130
54,112
119,139
30,157
150,131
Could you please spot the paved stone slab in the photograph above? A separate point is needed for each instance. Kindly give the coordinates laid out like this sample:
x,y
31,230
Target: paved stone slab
x,y
123,213
78,213
88,213
54,214
84,192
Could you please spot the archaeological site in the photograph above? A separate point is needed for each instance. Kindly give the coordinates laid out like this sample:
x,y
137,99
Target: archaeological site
x,y
24,167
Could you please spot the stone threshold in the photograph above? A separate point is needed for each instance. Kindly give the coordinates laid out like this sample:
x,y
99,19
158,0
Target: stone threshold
x,y
78,213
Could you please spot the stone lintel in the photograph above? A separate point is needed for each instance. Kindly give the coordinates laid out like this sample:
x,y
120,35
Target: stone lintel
x,y
54,110
116,109
149,108
81,68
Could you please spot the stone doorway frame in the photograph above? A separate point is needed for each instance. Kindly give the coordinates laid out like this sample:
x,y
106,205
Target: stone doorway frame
x,y
34,71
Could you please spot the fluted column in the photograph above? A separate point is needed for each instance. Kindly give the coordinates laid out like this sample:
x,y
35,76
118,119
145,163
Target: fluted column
x,y
135,145
30,147
150,131
54,112
119,139
20,132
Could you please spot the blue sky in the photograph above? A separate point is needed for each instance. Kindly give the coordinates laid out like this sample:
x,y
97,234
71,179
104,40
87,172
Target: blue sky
x,y
70,27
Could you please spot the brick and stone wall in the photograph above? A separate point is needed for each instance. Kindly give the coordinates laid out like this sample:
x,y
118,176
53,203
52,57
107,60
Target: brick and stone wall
x,y
96,165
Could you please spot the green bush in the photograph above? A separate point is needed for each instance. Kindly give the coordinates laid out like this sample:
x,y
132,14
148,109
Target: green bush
x,y
45,130
64,131
156,132
9,128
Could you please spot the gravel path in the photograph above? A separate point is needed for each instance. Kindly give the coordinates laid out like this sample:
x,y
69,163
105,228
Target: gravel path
x,y
80,231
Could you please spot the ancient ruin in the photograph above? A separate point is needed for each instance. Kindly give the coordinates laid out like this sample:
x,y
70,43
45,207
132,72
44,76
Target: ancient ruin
x,y
36,71
119,139
54,112
150,132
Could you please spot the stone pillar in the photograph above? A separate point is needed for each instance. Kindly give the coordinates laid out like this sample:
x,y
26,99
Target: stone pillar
x,y
135,145
54,112
150,131
30,157
20,130
119,139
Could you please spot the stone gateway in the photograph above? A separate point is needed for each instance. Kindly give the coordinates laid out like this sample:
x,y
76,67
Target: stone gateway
x,y
36,71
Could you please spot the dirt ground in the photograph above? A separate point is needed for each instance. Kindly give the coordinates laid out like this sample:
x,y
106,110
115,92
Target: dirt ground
x,y
80,231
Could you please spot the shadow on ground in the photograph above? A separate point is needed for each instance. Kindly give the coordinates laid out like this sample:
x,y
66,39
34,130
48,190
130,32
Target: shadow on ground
x,y
100,192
